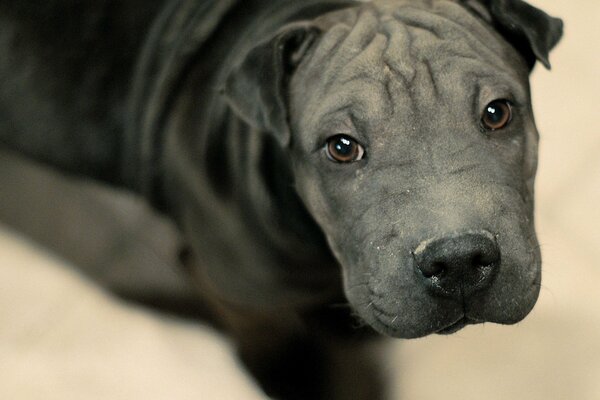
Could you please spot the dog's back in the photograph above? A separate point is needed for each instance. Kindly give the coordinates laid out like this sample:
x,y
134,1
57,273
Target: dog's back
x,y
65,69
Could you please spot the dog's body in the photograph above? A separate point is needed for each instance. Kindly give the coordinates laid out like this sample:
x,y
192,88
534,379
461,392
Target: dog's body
x,y
289,138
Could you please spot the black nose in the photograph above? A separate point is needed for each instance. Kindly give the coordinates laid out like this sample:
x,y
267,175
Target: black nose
x,y
460,264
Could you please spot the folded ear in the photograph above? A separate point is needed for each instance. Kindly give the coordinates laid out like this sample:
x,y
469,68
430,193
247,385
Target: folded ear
x,y
257,88
530,30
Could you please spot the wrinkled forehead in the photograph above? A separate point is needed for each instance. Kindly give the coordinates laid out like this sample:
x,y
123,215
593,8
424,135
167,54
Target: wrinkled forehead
x,y
385,54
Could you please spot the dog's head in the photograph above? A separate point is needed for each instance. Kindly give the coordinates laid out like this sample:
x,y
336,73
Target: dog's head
x,y
413,146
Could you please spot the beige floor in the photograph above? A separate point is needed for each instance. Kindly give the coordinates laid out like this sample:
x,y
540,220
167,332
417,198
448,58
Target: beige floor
x,y
63,338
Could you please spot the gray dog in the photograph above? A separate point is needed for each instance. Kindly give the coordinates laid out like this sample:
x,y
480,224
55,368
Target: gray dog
x,y
337,167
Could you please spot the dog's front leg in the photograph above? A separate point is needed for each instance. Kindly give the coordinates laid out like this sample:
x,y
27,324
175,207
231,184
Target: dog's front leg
x,y
293,360
308,354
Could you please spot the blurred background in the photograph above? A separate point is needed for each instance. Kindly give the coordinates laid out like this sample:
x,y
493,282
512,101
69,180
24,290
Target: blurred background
x,y
63,337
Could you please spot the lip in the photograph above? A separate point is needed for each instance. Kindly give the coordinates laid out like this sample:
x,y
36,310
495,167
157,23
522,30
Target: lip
x,y
456,326
383,322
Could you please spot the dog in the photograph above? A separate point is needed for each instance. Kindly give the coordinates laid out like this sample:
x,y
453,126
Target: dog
x,y
339,169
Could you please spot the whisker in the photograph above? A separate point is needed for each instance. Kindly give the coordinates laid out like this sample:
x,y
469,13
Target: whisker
x,y
465,168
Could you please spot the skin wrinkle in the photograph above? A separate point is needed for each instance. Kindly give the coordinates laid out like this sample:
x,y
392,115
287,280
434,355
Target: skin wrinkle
x,y
328,44
321,59
364,76
432,77
421,29
357,70
377,298
432,22
359,218
364,238
501,83
359,37
396,165
343,109
388,92
352,96
363,31
471,145
400,42
368,59
389,237
493,185
475,103
508,186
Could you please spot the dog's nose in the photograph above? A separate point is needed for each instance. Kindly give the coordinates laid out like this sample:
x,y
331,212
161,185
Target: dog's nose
x,y
460,264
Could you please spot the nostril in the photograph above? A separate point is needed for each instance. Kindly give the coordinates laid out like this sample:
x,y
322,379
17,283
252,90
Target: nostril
x,y
480,260
488,254
433,269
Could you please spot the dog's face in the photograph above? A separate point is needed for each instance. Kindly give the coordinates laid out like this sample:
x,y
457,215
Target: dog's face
x,y
414,148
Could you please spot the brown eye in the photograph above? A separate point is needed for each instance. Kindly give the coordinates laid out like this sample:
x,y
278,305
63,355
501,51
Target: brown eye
x,y
496,115
344,149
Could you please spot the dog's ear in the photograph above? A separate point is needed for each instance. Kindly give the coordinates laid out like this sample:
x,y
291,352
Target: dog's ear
x,y
257,88
530,30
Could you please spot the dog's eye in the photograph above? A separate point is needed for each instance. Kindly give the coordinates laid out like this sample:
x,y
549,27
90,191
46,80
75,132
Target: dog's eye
x,y
497,115
344,149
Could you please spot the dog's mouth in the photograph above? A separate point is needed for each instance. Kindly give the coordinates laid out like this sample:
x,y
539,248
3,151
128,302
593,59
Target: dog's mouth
x,y
385,323
457,326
